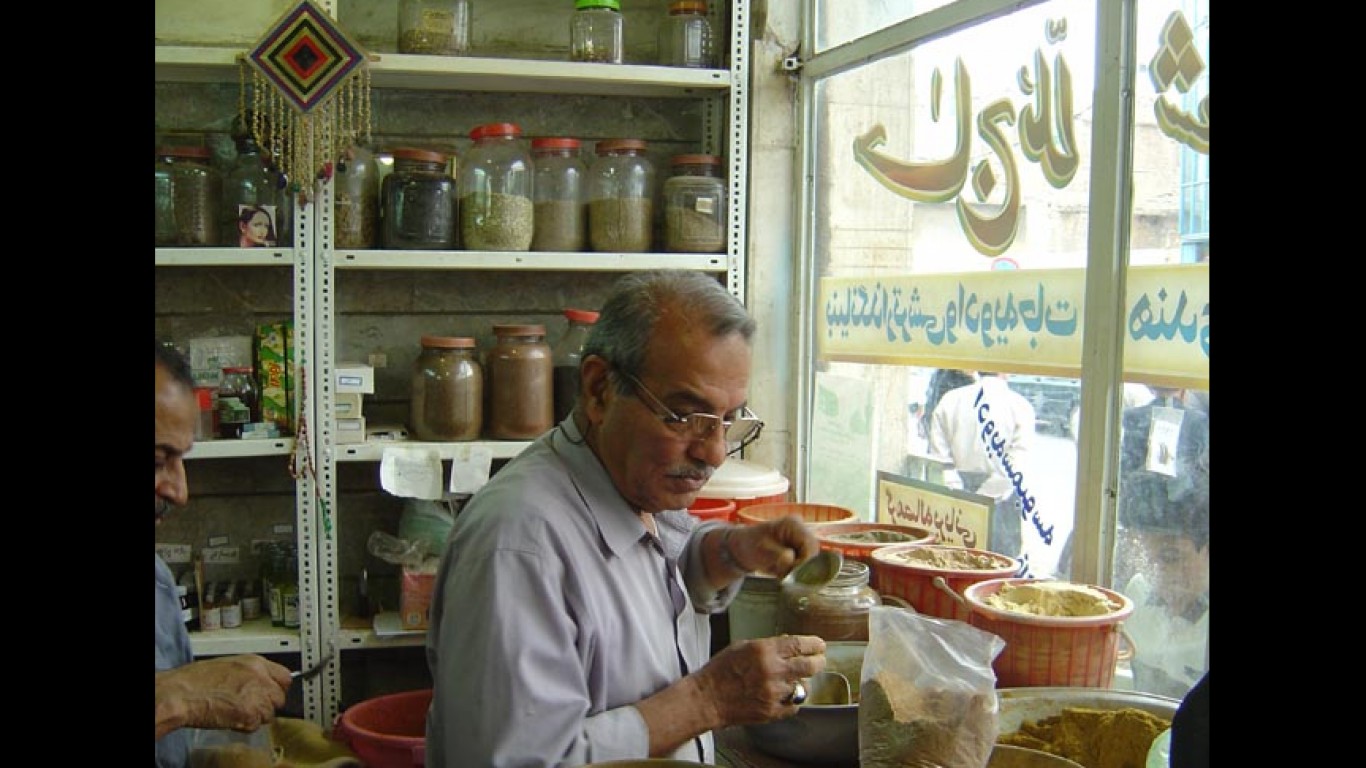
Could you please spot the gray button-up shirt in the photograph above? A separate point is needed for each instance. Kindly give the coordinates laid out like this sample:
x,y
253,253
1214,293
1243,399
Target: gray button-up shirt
x,y
555,610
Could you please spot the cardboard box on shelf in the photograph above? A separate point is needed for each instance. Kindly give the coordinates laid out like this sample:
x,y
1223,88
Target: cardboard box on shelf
x,y
347,405
355,377
350,431
415,596
272,374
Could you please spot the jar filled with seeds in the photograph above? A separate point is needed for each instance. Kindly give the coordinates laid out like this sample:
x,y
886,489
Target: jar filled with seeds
x,y
355,219
440,27
188,190
621,184
695,206
447,391
521,393
418,203
595,31
560,192
496,211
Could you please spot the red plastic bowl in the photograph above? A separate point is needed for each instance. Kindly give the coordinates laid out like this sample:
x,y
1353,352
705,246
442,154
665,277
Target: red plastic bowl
x,y
387,731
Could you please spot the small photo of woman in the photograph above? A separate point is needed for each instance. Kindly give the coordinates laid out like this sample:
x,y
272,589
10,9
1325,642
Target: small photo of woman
x,y
256,226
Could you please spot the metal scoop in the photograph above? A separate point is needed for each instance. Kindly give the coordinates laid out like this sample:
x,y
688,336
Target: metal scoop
x,y
828,689
818,571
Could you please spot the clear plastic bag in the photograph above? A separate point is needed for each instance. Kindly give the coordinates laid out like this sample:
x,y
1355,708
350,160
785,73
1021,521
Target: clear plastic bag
x,y
231,749
928,693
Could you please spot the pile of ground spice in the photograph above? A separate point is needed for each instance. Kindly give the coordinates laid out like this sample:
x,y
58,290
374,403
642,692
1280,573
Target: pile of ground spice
x,y
902,726
1096,738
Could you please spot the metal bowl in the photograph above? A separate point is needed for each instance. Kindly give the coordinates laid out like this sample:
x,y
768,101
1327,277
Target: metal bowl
x,y
819,733
1008,756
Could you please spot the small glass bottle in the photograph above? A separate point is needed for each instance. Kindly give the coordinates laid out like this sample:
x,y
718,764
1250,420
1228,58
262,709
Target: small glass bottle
x,y
521,395
238,401
448,391
595,31
565,356
289,589
270,559
560,193
440,27
230,606
496,211
188,190
355,218
418,202
837,611
251,201
211,617
685,38
695,206
621,188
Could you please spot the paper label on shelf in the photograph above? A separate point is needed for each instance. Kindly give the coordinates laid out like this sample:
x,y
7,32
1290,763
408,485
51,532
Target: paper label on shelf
x,y
470,468
174,553
214,555
217,541
411,472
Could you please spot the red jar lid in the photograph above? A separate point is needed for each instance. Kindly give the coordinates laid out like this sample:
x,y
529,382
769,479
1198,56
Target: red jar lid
x,y
519,330
237,369
696,160
495,129
555,143
581,315
424,155
686,6
617,145
448,342
198,152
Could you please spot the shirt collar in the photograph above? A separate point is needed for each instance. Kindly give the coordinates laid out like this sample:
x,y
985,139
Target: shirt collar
x,y
616,521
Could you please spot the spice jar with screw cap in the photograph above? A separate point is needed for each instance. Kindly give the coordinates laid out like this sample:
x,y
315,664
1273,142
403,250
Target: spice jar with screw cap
x,y
560,192
520,392
685,38
447,390
695,206
595,31
440,27
496,211
621,188
417,202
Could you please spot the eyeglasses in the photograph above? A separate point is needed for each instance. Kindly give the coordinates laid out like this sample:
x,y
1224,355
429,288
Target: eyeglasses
x,y
739,432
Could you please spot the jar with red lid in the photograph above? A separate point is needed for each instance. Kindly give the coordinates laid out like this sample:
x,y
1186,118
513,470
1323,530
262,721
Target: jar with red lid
x,y
188,191
520,392
447,391
417,202
496,211
695,205
685,38
560,193
621,188
837,611
565,357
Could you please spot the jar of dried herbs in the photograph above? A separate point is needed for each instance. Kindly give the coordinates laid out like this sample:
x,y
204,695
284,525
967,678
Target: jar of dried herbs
x,y
496,211
440,27
447,390
695,206
520,389
560,193
418,203
621,188
188,190
355,210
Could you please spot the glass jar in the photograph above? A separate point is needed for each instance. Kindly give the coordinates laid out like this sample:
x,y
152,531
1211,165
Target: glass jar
x,y
439,27
595,31
417,202
565,356
355,209
496,212
837,611
448,390
621,188
251,196
695,206
560,194
685,38
188,190
521,400
754,611
238,401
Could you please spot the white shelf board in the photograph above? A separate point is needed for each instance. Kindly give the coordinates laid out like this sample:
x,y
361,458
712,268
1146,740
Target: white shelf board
x,y
255,636
224,257
194,64
373,450
529,260
237,449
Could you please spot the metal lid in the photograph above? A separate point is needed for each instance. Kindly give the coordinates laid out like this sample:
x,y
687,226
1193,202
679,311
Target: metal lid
x,y
688,6
519,330
493,130
618,145
696,160
448,342
413,153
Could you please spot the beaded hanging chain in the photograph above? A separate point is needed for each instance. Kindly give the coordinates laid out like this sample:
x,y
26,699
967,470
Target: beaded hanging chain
x,y
309,94
301,459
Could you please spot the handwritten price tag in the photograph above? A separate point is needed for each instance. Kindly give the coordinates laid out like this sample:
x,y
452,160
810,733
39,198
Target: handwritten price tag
x,y
220,555
174,553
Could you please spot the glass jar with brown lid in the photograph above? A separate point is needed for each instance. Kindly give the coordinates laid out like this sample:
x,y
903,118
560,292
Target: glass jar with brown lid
x,y
448,390
621,189
695,205
418,203
837,611
520,388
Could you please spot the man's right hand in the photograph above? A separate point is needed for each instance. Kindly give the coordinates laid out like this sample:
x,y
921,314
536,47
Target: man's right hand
x,y
752,681
240,693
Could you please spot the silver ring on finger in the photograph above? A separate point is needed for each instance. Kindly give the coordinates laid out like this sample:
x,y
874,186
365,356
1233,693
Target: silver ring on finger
x,y
798,695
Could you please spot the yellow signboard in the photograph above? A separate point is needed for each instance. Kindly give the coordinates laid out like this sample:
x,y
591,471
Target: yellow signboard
x,y
1027,321
956,517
